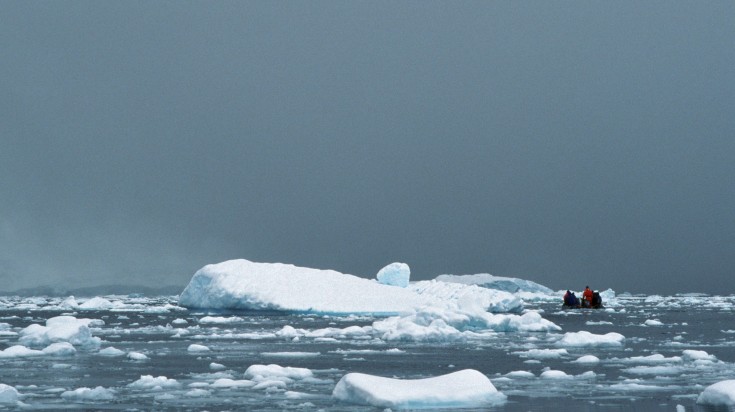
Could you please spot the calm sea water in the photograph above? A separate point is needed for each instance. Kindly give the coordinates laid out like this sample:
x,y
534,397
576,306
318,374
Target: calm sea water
x,y
615,384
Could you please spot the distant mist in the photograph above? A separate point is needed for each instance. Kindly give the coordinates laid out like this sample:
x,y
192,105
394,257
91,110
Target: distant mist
x,y
565,143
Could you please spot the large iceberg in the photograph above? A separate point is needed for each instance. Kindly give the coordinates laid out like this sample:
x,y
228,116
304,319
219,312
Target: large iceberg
x,y
486,280
241,284
463,389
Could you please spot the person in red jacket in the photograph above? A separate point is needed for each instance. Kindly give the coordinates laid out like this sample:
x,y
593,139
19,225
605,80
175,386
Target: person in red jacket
x,y
587,297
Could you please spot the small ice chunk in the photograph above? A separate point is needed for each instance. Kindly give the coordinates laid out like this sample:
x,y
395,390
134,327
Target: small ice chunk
x,y
463,389
289,331
198,393
543,353
231,383
61,329
555,374
520,374
89,395
695,355
217,366
653,322
395,274
111,351
96,303
8,394
179,321
148,382
19,351
718,394
219,320
137,356
194,348
261,373
587,359
60,349
584,338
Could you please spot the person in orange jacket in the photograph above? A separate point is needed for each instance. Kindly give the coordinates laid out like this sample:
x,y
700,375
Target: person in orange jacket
x,y
587,297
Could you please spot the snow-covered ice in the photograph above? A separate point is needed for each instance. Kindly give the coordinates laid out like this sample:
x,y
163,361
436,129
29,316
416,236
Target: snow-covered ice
x,y
584,338
196,348
463,389
718,394
148,382
241,284
111,351
98,394
8,394
60,329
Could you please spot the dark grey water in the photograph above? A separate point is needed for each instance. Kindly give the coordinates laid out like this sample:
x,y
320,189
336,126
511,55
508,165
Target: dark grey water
x,y
622,380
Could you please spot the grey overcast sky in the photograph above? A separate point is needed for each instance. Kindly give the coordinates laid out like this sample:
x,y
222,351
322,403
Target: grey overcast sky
x,y
564,142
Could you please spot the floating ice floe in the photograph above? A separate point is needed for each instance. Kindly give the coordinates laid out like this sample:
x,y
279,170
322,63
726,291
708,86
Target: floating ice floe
x,y
98,303
291,354
137,356
231,383
275,377
197,393
584,338
241,284
217,366
111,351
520,374
148,382
542,353
61,329
20,351
719,394
432,324
259,373
98,394
587,359
395,274
195,348
219,319
8,394
652,322
697,355
463,389
555,374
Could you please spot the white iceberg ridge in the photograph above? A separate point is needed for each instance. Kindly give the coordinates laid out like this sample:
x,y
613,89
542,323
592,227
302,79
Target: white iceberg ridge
x,y
422,311
241,284
463,389
486,280
720,394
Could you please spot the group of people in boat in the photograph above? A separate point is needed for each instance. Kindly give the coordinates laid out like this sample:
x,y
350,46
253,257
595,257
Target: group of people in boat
x,y
589,299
